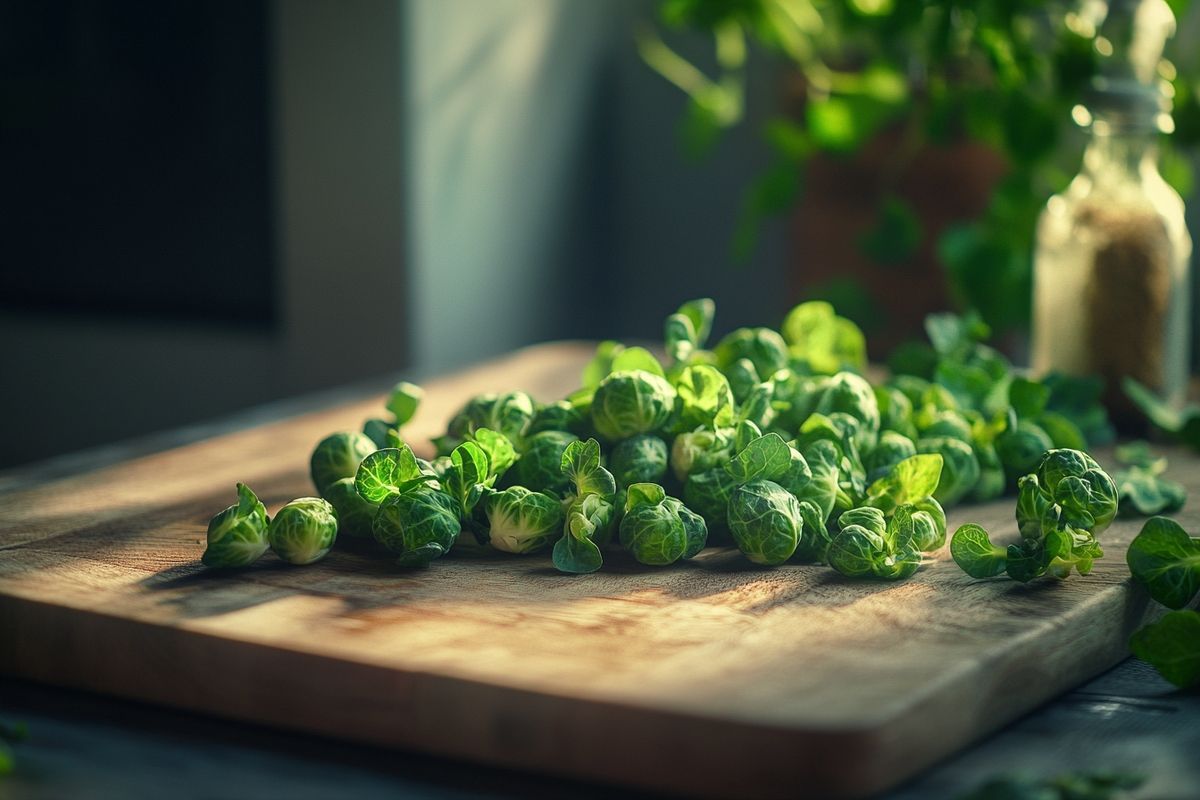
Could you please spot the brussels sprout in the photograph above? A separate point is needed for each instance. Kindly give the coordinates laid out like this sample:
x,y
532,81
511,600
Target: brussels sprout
x,y
581,465
467,477
742,378
354,514
587,518
823,459
1021,448
850,394
699,451
694,527
960,468
708,494
303,530
765,521
510,414
632,402
890,450
237,536
763,347
991,481
703,399
559,416
638,459
946,423
1077,483
521,521
817,336
867,547
390,471
650,530
895,411
687,330
338,456
540,467
420,525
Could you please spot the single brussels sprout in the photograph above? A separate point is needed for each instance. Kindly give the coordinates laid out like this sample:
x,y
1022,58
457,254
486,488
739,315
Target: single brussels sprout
x,y
895,411
521,521
699,451
946,423
867,547
237,536
890,450
765,521
1021,448
589,520
638,459
851,394
694,527
354,514
866,516
763,347
393,470
703,399
633,402
303,530
960,468
540,467
420,525
338,456
823,459
650,530
742,377
560,416
817,336
511,415
708,493
991,481
1077,483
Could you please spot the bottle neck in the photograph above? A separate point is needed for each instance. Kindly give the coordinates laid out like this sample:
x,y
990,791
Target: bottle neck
x,y
1125,154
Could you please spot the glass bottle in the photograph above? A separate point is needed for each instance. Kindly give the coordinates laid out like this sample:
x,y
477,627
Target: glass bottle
x,y
1111,267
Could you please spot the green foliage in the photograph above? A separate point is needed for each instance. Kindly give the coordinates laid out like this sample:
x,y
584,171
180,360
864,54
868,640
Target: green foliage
x,y
1004,76
1068,786
703,399
1183,426
972,550
1141,487
909,481
237,536
522,521
687,330
587,519
1172,646
338,456
762,347
10,734
303,530
1164,559
765,521
699,451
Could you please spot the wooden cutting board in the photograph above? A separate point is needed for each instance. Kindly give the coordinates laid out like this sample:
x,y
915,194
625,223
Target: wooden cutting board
x,y
712,677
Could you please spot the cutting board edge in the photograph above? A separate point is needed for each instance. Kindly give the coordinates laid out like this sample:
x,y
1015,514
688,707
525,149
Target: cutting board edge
x,y
764,755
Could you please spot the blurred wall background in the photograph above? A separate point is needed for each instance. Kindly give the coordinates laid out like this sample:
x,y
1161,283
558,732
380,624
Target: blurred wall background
x,y
212,204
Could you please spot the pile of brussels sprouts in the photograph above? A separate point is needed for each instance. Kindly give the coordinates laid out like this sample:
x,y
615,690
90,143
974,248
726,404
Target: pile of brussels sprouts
x,y
772,441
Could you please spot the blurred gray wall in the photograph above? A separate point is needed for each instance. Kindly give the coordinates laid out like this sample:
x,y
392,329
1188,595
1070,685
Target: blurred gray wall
x,y
453,179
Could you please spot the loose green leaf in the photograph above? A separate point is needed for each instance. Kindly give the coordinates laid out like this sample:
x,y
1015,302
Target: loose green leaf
x,y
387,472
581,466
912,479
703,399
1172,646
972,550
767,457
1164,559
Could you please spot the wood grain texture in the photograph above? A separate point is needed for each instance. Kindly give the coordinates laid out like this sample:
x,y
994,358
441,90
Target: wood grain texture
x,y
712,677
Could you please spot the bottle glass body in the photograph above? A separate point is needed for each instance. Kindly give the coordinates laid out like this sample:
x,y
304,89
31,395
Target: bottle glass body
x,y
1111,287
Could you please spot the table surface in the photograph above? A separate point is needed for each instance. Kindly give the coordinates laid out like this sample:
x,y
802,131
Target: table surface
x,y
86,746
